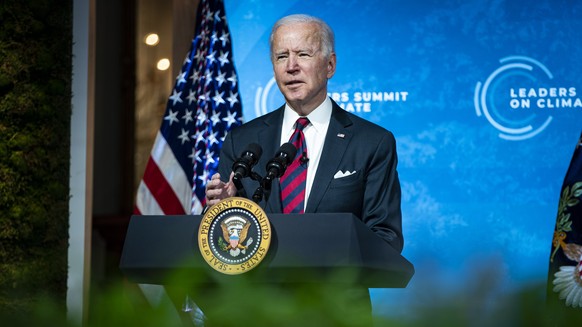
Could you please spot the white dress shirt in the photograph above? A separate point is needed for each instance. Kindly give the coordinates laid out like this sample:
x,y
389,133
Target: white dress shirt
x,y
314,136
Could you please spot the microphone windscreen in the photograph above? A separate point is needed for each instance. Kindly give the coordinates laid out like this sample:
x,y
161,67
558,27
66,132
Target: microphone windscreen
x,y
289,150
255,149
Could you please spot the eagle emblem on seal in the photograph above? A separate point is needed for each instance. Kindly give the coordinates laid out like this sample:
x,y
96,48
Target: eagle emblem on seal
x,y
234,234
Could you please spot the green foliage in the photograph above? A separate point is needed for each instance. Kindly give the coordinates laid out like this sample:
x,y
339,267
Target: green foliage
x,y
245,303
35,109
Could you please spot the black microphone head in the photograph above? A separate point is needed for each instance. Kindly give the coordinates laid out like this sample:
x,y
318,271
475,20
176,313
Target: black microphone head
x,y
276,167
255,149
289,151
243,166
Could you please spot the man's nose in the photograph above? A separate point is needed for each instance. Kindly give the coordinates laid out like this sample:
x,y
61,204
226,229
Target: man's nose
x,y
292,64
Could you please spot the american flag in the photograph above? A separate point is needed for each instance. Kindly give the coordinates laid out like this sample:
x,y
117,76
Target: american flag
x,y
203,107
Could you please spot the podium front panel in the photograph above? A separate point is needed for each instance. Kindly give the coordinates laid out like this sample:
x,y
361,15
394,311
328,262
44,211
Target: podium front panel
x,y
305,248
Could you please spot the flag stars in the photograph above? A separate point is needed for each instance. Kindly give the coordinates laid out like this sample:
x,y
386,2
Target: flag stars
x,y
211,57
199,55
191,97
187,117
204,97
201,98
204,175
181,78
195,155
198,156
217,98
224,38
184,137
223,59
208,77
232,99
215,117
212,138
171,117
209,15
201,117
230,118
195,76
220,78
210,158
176,97
204,182
199,137
187,60
232,79
204,34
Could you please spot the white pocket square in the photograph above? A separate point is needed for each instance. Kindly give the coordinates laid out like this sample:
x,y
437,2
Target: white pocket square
x,y
341,174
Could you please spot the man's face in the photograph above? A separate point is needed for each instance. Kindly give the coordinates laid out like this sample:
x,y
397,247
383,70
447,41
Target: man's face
x,y
300,68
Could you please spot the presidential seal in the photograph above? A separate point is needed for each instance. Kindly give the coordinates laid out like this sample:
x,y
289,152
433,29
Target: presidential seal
x,y
234,236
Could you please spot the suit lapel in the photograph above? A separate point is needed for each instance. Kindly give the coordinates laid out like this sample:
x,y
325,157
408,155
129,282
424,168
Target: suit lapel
x,y
336,142
269,138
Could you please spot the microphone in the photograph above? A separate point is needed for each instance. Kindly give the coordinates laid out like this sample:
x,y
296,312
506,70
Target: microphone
x,y
242,166
276,167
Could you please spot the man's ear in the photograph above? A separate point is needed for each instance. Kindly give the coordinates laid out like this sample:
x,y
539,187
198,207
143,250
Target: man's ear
x,y
331,64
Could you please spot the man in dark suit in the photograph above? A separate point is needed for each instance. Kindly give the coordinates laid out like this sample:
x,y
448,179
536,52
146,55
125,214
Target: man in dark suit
x,y
351,163
352,170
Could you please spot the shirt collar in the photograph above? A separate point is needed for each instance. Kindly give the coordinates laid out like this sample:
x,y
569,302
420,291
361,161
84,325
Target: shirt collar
x,y
319,117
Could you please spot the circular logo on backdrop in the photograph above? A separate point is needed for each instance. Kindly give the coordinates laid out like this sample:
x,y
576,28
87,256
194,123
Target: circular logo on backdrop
x,y
519,97
514,96
262,96
234,236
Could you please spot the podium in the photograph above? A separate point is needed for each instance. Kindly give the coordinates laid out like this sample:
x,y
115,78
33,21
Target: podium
x,y
305,248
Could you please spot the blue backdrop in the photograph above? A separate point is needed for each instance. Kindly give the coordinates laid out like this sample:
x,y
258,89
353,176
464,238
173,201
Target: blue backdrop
x,y
484,98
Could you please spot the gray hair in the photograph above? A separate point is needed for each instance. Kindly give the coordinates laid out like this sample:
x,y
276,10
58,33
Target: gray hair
x,y
324,32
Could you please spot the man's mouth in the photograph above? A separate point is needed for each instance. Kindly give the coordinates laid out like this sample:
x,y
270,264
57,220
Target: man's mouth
x,y
293,83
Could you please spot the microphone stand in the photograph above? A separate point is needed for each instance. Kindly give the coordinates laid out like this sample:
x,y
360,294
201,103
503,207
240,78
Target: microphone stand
x,y
240,190
259,192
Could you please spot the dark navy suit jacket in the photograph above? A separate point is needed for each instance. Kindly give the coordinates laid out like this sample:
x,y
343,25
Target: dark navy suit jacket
x,y
351,144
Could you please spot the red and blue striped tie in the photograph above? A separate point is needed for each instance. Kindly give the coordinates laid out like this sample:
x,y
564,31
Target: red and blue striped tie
x,y
293,181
